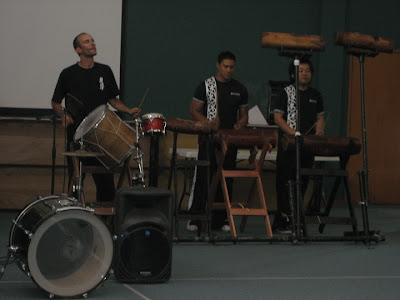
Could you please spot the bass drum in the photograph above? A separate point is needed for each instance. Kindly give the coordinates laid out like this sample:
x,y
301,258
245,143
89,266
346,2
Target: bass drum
x,y
63,247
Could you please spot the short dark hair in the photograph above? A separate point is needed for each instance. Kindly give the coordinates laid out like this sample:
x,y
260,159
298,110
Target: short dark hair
x,y
225,55
304,61
76,42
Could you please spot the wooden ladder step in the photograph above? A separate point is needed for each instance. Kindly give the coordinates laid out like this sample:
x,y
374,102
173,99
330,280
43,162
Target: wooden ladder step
x,y
240,173
249,212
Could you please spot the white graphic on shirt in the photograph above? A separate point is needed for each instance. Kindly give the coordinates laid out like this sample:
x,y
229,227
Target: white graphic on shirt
x,y
101,82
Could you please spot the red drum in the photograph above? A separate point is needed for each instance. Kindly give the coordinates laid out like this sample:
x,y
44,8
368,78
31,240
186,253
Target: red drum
x,y
153,123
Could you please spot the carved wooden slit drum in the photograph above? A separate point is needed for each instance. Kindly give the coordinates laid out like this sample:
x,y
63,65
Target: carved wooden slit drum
x,y
323,145
247,138
363,41
189,126
292,41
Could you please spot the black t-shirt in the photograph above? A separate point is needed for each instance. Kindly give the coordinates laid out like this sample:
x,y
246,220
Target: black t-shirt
x,y
92,87
311,104
231,96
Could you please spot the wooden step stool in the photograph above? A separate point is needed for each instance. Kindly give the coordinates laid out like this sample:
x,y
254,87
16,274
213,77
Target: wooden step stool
x,y
242,139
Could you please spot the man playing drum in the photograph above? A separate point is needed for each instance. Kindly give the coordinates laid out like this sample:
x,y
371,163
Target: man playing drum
x,y
85,86
311,122
219,99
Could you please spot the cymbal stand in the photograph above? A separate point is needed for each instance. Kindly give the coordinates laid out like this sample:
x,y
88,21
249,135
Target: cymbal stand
x,y
298,215
363,174
138,179
79,187
53,154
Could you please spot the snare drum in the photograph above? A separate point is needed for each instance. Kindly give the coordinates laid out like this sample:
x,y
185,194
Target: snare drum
x,y
103,131
153,123
63,247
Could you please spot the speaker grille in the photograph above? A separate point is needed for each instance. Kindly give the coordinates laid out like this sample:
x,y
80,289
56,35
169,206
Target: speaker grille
x,y
144,254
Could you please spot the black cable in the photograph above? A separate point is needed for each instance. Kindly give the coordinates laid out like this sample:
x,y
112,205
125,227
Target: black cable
x,y
3,268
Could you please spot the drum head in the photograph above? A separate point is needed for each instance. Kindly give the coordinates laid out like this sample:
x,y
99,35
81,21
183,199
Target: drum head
x,y
153,116
70,253
90,122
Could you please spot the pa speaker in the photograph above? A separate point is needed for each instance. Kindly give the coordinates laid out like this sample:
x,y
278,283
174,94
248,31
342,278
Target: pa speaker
x,y
143,229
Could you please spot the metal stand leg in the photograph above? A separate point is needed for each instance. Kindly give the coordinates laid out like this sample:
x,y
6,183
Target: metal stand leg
x,y
363,174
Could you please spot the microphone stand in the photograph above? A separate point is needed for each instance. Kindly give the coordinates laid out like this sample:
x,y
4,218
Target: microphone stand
x,y
298,214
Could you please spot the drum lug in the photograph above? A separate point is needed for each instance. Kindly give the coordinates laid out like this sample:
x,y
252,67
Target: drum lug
x,y
51,296
27,232
13,249
89,209
115,237
85,295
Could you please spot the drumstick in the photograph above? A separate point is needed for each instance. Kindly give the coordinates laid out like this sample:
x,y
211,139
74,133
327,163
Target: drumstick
x,y
141,103
316,124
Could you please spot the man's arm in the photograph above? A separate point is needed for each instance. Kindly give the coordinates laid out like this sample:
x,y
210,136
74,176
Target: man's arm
x,y
243,118
320,125
282,124
196,113
196,109
120,106
66,119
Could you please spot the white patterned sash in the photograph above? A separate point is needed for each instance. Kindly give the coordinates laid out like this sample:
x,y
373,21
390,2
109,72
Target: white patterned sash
x,y
211,94
291,106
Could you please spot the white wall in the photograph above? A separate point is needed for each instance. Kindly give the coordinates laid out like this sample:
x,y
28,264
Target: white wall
x,y
36,44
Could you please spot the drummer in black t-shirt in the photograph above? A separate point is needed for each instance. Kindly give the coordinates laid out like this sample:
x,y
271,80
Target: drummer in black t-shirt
x,y
311,122
86,85
218,100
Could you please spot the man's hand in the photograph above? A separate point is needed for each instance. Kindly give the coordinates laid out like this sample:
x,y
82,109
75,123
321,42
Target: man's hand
x,y
66,120
215,123
134,111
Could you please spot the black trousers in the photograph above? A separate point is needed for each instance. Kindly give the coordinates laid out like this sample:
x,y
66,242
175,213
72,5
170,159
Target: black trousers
x,y
199,197
285,171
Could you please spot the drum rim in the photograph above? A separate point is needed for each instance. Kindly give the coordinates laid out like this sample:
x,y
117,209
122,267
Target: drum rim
x,y
153,116
104,109
104,232
23,213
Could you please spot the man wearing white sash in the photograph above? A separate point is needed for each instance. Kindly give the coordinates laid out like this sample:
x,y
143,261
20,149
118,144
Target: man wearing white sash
x,y
311,122
219,99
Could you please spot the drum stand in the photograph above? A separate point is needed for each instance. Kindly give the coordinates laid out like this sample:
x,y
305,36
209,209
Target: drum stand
x,y
138,179
79,187
363,174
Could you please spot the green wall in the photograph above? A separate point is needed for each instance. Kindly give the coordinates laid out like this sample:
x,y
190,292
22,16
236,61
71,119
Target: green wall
x,y
170,46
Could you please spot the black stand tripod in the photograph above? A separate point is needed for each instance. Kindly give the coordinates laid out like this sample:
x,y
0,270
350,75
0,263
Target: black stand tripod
x,y
363,174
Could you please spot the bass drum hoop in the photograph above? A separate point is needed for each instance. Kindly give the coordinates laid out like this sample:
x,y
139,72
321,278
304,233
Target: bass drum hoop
x,y
91,274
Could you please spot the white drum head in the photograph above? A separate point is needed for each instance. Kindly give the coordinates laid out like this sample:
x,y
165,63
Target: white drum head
x,y
90,122
71,253
153,116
